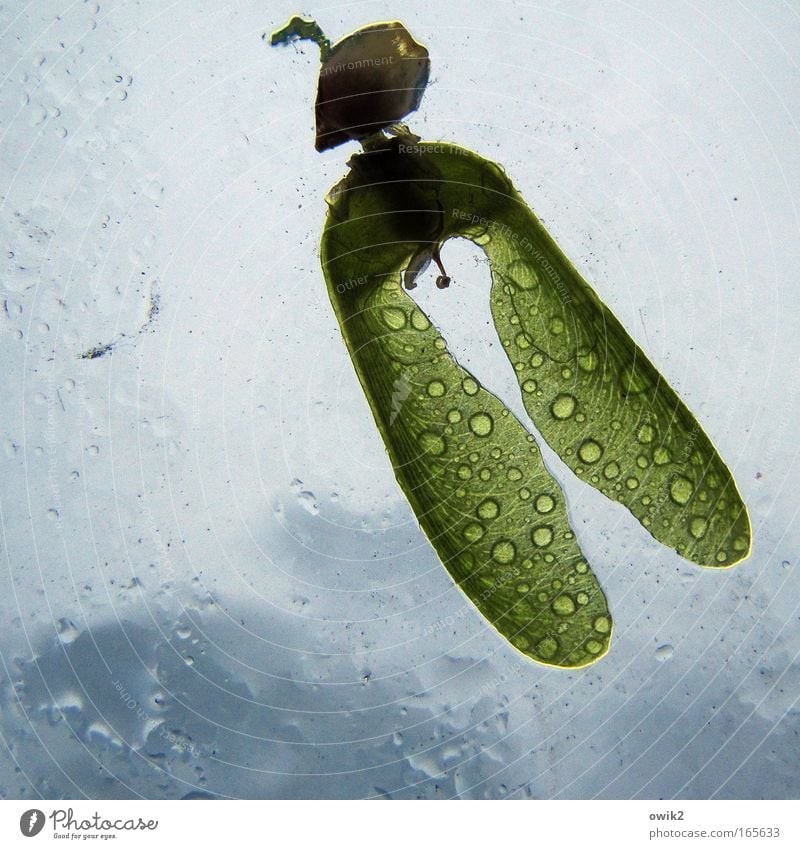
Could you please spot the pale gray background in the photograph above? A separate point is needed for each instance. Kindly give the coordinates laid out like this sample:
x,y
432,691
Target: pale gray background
x,y
211,582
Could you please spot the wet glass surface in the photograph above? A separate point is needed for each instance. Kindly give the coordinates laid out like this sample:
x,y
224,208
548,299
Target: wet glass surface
x,y
211,581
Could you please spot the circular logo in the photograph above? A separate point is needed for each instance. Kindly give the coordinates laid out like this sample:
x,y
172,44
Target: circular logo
x,y
31,822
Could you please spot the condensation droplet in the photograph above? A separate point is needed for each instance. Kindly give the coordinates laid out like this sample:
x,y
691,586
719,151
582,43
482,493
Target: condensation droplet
x,y
698,527
563,406
473,532
419,321
646,434
504,551
488,509
432,443
67,632
680,490
664,652
661,456
547,647
611,470
590,451
602,624
563,605
594,646
542,536
393,318
481,424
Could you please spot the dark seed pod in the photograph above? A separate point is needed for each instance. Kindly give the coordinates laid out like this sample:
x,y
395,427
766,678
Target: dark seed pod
x,y
368,81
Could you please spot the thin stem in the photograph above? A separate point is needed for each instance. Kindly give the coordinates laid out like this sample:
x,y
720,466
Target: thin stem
x,y
300,29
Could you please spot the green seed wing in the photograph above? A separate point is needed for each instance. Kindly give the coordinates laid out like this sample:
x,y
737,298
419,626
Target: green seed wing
x,y
472,473
603,406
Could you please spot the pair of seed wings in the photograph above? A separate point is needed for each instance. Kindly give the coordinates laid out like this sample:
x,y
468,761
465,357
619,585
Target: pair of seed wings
x,y
471,471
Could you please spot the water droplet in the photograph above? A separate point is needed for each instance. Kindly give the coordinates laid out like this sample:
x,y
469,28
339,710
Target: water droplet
x,y
470,386
529,386
698,527
488,509
611,470
524,493
646,434
454,416
504,551
544,504
563,406
563,605
308,501
523,340
589,362
514,474
681,490
632,483
485,474
556,325
664,652
602,624
661,456
590,451
53,515
581,567
642,462
464,472
419,321
393,318
542,536
435,389
481,424
582,598
473,532
67,632
432,443
594,646
536,360
547,647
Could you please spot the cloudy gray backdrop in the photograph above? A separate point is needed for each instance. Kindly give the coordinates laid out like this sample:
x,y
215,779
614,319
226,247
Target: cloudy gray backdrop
x,y
211,583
